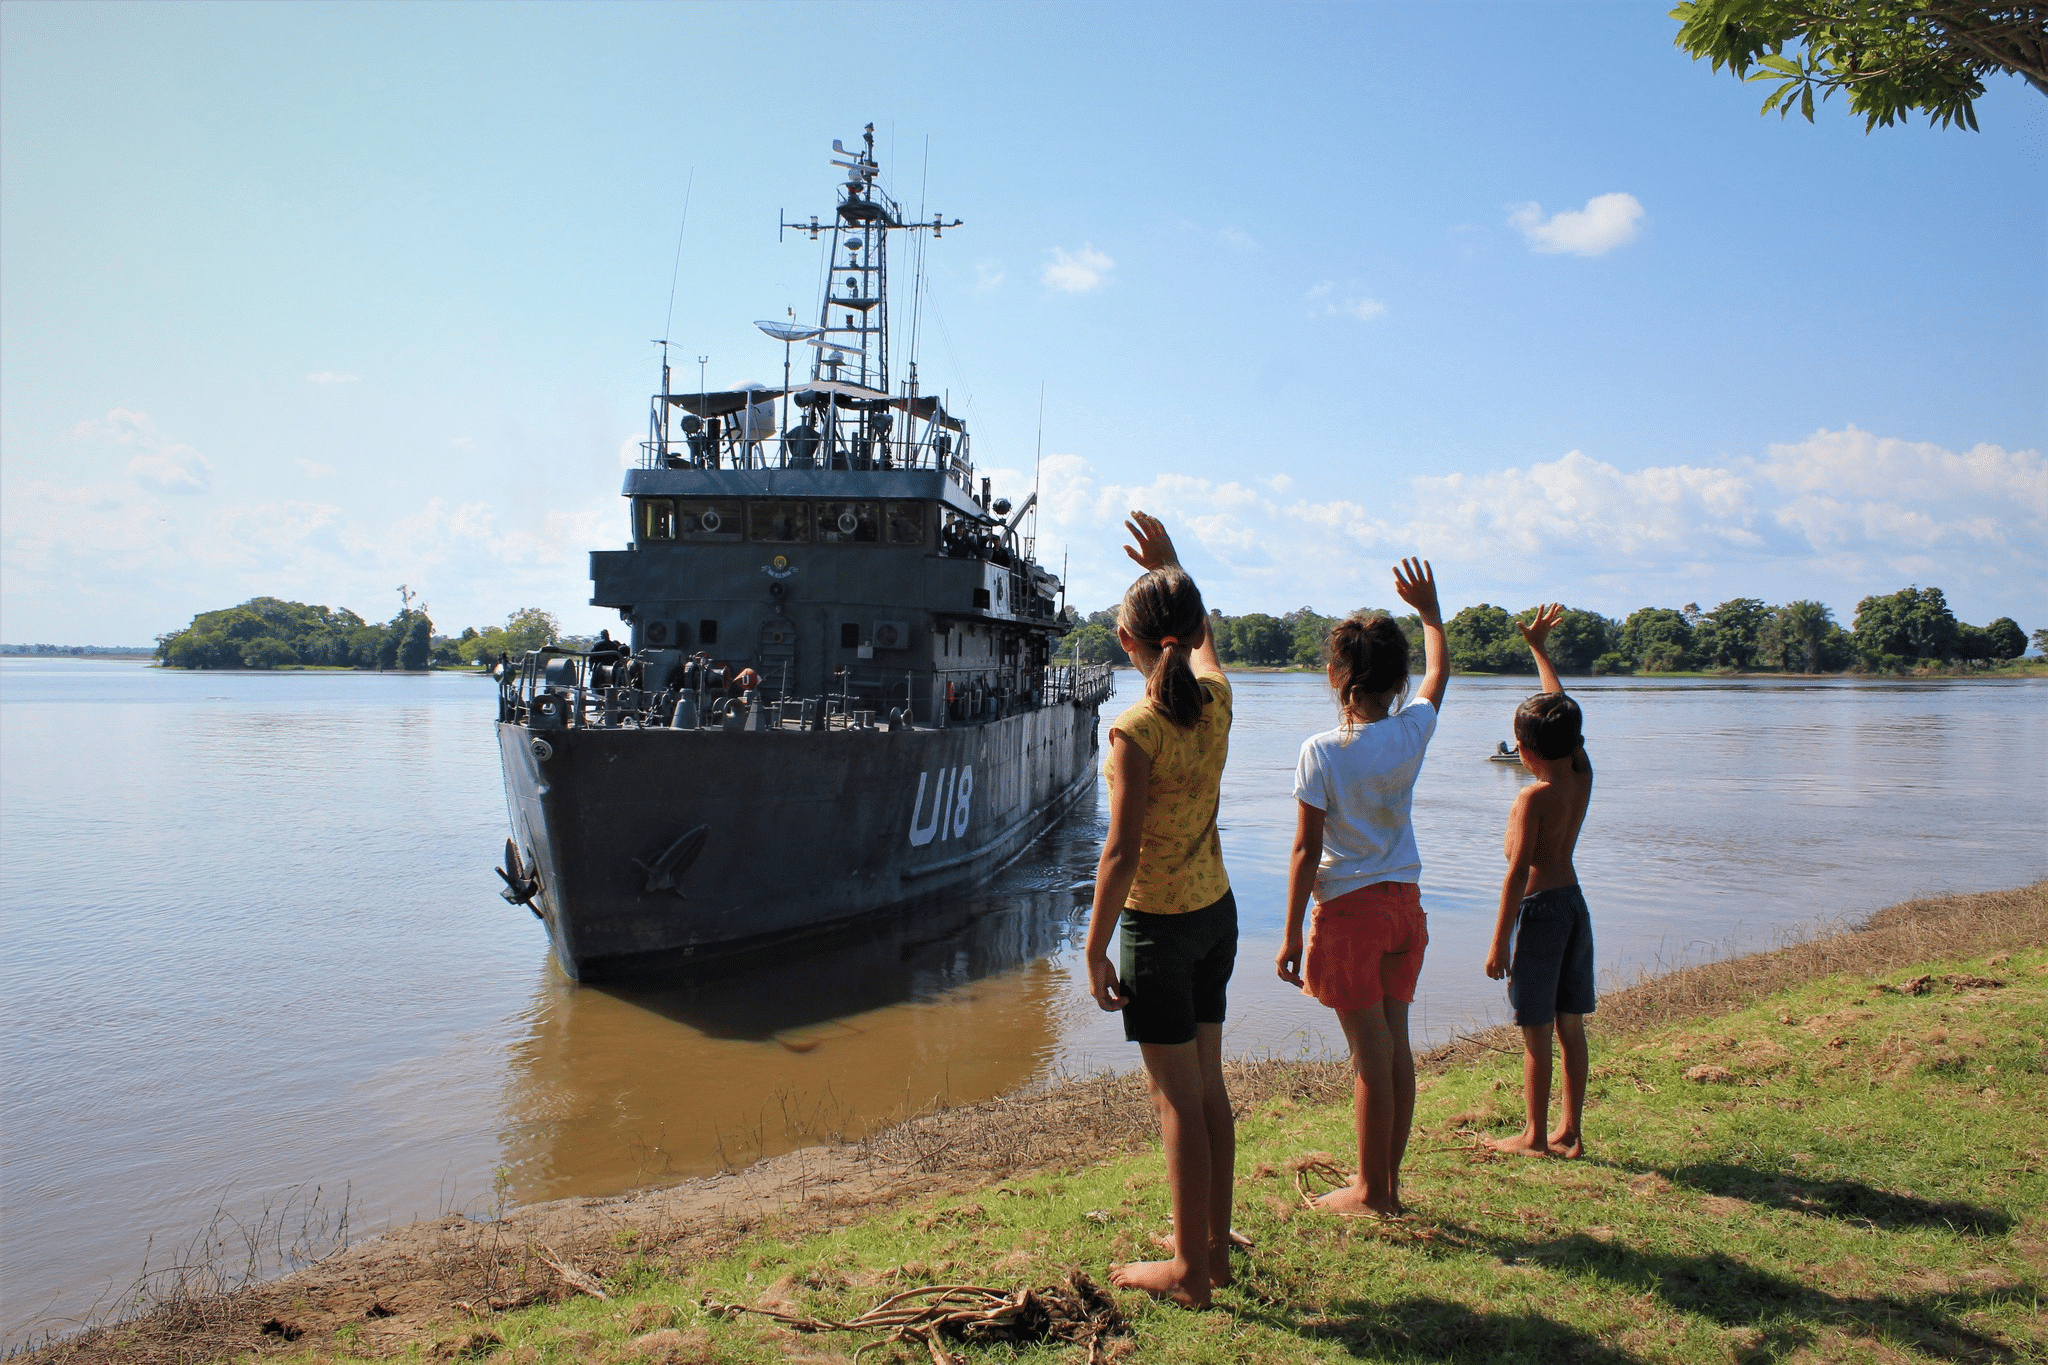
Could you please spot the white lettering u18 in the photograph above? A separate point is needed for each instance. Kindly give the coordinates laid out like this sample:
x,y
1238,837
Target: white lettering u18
x,y
952,798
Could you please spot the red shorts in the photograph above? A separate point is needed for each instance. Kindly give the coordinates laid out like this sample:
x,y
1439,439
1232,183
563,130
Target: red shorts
x,y
1365,946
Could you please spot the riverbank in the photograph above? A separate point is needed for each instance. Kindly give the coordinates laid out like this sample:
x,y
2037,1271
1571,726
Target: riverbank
x,y
1689,1183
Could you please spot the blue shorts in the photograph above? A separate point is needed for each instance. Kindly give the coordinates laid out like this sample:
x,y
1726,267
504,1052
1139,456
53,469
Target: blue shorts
x,y
1174,968
1551,972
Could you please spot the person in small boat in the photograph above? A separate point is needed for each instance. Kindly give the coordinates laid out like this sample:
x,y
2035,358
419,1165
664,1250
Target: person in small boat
x,y
1160,887
1503,750
1354,848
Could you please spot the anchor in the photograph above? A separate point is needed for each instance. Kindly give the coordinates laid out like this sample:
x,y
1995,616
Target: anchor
x,y
522,883
673,862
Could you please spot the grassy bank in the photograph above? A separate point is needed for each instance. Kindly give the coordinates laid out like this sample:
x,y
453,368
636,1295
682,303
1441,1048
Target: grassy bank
x,y
1835,1151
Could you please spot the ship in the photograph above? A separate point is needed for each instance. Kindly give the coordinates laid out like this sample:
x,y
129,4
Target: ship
x,y
838,691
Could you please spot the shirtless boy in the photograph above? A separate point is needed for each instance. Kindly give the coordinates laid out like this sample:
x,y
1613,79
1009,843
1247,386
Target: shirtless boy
x,y
1550,975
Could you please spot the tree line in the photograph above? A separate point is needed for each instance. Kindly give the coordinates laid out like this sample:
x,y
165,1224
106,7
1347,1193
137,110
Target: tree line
x,y
269,632
1909,628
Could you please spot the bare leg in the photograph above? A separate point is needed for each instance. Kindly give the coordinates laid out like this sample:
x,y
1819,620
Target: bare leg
x,y
1176,1074
1403,1071
1571,1041
1221,1126
1533,1140
1373,1108
1222,1129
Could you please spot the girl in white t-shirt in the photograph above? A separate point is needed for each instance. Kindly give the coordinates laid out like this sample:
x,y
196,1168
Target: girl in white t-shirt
x,y
1355,847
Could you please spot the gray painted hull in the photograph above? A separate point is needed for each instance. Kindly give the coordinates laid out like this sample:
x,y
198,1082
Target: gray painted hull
x,y
801,832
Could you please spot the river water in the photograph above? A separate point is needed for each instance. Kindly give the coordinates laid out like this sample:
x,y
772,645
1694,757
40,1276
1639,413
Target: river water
x,y
253,945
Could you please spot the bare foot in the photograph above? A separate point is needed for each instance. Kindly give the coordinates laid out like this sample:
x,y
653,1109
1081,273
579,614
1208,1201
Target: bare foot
x,y
1350,1201
1220,1273
1524,1143
1173,1280
1566,1144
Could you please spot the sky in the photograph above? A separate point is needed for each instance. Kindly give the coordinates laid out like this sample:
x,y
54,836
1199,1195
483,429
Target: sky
x,y
314,300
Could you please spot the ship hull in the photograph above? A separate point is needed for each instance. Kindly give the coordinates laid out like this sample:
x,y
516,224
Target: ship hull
x,y
654,844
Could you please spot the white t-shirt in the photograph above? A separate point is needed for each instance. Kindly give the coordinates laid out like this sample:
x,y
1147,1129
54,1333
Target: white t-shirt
x,y
1364,789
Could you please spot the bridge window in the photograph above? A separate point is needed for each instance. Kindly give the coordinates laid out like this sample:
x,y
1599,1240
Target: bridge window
x,y
657,519
707,632
849,634
780,522
847,522
707,520
906,523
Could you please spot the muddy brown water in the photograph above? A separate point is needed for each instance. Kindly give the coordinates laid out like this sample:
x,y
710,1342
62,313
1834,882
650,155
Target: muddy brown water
x,y
254,950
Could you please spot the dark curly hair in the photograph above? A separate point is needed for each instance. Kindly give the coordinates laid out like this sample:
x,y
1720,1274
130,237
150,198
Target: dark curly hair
x,y
1166,605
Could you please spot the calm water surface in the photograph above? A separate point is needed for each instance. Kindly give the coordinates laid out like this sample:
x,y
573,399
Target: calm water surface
x,y
253,940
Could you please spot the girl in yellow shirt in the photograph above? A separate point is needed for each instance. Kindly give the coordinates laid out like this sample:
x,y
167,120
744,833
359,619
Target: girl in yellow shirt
x,y
1161,882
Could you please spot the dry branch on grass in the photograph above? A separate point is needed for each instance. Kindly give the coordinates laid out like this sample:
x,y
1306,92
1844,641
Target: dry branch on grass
x,y
1080,1313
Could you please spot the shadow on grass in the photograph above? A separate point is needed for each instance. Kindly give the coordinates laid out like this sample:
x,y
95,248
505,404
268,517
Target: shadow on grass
x,y
1787,1313
1446,1330
1849,1200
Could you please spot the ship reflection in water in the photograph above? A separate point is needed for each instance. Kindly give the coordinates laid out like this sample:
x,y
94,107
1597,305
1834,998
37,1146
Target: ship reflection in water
x,y
696,1069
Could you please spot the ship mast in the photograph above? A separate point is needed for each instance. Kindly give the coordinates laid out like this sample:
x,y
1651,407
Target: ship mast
x,y
852,344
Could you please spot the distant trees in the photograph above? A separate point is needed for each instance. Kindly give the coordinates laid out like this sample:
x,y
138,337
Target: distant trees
x,y
1913,623
1892,632
1728,636
525,629
269,632
1657,640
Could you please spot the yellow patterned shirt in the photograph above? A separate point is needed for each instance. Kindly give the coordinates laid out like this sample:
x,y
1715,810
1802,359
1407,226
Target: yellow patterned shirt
x,y
1180,856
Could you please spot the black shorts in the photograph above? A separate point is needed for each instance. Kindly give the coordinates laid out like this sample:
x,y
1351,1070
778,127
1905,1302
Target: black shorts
x,y
1551,972
1174,969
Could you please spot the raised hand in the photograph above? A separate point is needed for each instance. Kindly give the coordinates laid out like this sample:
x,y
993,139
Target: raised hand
x,y
1155,548
1538,630
1416,585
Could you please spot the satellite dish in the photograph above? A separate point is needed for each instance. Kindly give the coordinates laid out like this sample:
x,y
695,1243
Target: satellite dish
x,y
787,332
853,244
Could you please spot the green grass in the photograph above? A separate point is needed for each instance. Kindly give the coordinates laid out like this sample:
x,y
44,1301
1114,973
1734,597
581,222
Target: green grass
x,y
1863,1179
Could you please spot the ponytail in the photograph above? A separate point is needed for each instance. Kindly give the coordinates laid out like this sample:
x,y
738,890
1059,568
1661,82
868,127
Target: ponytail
x,y
1164,609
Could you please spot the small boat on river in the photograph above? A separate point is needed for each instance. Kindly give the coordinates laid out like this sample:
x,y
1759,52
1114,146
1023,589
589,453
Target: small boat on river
x,y
839,689
1503,754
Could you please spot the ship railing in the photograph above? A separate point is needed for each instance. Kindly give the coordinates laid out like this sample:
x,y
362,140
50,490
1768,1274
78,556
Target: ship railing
x,y
557,688
873,455
1082,684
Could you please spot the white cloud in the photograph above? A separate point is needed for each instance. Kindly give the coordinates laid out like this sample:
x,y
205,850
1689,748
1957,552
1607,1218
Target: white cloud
x,y
88,550
1326,300
1076,272
333,377
1607,221
159,462
1837,516
987,275
1238,238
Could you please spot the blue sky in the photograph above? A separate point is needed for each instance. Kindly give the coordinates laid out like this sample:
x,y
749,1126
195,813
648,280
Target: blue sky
x,y
313,300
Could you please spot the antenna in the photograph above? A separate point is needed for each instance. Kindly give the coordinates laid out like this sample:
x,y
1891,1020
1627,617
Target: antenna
x,y
676,273
1038,464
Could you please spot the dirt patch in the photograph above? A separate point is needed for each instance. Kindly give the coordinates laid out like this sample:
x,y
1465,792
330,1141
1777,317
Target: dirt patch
x,y
434,1286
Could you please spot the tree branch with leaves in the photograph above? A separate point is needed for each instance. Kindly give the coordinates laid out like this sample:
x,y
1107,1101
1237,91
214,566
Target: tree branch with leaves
x,y
1890,57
